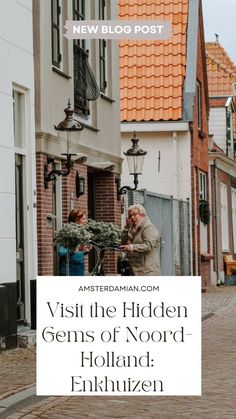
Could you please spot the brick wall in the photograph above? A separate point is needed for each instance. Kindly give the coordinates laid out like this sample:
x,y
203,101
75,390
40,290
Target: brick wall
x,y
69,192
107,208
217,102
205,274
199,158
45,227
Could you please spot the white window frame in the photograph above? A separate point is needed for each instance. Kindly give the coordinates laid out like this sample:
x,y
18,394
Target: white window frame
x,y
103,58
87,46
202,185
25,150
229,131
59,63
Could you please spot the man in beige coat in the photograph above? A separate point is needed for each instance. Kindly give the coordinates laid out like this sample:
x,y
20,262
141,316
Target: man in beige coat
x,y
141,240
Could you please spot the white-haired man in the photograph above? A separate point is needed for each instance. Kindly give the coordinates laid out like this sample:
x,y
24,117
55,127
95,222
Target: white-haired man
x,y
141,240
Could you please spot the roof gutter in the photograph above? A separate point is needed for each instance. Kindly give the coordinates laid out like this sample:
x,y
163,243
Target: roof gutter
x,y
159,126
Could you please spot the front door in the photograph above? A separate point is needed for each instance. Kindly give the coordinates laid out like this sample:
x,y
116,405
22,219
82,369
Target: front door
x,y
20,263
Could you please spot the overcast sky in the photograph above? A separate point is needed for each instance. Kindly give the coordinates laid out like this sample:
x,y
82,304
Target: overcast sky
x,y
220,17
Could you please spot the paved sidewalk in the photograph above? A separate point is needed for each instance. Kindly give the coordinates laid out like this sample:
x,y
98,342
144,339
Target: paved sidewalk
x,y
218,298
17,372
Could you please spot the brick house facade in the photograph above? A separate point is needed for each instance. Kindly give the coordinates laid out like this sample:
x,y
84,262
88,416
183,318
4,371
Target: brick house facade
x,y
170,114
95,149
199,163
105,207
222,166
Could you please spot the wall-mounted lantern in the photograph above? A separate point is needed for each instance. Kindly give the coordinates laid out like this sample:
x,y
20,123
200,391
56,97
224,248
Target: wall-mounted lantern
x,y
68,125
79,185
135,159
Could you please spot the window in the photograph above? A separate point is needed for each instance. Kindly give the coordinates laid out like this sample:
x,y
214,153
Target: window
x,y
18,113
81,105
102,50
56,32
228,128
21,174
199,105
224,217
203,197
203,186
79,14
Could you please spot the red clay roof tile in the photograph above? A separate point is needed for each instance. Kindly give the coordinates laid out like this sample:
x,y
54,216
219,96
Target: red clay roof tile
x,y
221,73
152,72
221,70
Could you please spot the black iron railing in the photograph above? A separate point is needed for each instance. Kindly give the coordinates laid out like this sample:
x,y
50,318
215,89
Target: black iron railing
x,y
85,85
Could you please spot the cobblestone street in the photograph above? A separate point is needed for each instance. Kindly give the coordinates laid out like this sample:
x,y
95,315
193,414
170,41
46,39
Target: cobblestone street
x,y
218,379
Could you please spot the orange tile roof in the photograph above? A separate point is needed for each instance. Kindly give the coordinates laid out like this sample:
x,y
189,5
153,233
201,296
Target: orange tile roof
x,y
221,70
152,72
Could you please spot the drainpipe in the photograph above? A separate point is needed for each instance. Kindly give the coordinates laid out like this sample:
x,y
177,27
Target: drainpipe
x,y
175,169
216,222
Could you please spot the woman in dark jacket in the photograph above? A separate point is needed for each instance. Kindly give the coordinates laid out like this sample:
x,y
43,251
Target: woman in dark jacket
x,y
77,257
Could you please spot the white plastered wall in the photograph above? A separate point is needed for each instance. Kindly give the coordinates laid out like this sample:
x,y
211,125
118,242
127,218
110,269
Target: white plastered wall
x,y
54,90
171,174
16,70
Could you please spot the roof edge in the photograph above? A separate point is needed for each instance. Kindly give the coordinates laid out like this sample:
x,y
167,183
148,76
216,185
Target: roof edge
x,y
223,162
191,64
154,126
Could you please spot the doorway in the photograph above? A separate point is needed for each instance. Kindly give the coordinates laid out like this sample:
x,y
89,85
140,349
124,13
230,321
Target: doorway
x,y
20,248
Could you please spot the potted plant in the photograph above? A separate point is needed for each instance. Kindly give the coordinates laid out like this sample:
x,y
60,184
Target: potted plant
x,y
104,234
71,236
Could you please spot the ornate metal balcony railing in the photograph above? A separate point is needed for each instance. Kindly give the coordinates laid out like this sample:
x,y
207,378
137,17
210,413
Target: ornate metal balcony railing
x,y
85,85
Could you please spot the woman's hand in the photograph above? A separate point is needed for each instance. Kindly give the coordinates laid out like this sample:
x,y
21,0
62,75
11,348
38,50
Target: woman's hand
x,y
83,248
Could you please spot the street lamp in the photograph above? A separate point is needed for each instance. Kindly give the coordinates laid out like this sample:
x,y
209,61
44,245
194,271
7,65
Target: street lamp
x,y
135,159
68,124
